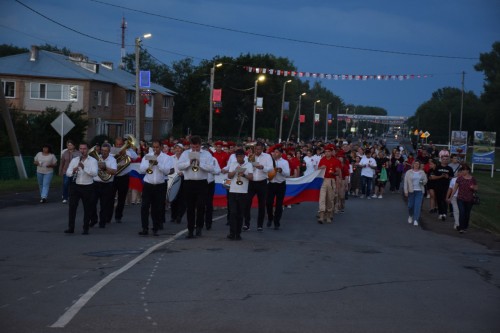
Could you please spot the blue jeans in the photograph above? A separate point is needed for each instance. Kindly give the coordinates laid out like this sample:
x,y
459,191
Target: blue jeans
x,y
366,185
464,208
65,189
415,204
44,180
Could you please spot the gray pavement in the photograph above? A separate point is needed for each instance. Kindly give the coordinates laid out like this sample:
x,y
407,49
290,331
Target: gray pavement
x,y
369,271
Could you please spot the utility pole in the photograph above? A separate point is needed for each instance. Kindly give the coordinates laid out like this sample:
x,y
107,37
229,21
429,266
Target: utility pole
x,y
12,137
462,100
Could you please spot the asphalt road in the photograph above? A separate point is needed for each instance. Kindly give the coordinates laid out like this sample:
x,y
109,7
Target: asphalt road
x,y
369,271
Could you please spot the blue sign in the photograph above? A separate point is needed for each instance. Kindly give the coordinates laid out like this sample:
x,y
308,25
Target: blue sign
x,y
144,79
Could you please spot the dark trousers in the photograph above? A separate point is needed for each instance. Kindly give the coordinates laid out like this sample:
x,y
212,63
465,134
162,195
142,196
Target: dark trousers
x,y
178,205
103,195
366,185
209,208
152,201
395,180
164,203
195,192
120,185
258,188
464,209
237,202
441,199
86,194
275,190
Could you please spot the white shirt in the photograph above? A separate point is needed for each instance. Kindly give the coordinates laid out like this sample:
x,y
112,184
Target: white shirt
x,y
266,161
205,165
211,175
110,164
235,188
232,159
285,171
368,166
311,165
165,163
86,175
452,185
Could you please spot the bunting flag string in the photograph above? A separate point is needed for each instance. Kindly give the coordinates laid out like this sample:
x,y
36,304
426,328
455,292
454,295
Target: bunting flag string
x,y
355,77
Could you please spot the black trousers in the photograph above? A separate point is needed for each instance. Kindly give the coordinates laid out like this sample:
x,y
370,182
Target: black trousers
x,y
275,190
209,208
103,195
441,192
120,186
237,202
164,203
178,205
258,188
195,193
152,201
86,194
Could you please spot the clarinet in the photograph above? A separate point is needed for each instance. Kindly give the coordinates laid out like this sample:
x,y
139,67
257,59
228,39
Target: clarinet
x,y
75,175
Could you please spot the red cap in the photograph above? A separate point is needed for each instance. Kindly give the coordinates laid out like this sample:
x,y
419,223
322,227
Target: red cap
x,y
329,147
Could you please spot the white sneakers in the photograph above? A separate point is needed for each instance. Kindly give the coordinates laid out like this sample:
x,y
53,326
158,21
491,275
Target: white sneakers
x,y
410,219
415,223
374,196
380,196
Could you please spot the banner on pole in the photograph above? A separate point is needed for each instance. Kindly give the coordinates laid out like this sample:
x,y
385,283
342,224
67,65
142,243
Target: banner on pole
x,y
459,142
484,148
217,95
302,118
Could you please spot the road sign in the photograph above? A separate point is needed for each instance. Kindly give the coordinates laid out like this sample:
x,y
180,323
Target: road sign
x,y
62,124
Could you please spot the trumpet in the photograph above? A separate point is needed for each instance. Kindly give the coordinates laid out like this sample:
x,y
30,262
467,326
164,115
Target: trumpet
x,y
195,166
239,181
152,162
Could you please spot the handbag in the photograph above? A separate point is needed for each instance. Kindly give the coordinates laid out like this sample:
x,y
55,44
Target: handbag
x,y
271,174
475,198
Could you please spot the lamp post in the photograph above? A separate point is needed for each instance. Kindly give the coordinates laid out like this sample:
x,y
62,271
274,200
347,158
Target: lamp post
x,y
282,108
137,88
261,78
298,122
211,101
326,122
314,116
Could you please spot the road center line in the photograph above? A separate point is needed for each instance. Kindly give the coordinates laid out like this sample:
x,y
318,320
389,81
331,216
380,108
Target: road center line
x,y
75,308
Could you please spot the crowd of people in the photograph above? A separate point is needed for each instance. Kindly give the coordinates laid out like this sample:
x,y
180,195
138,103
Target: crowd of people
x,y
100,178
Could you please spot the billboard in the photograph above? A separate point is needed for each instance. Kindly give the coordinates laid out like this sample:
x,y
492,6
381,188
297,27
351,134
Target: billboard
x,y
484,148
459,142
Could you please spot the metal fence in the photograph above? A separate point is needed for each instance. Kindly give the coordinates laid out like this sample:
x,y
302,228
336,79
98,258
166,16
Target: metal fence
x,y
8,169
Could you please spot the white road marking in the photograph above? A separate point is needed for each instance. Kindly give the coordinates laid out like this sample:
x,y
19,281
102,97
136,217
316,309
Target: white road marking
x,y
75,308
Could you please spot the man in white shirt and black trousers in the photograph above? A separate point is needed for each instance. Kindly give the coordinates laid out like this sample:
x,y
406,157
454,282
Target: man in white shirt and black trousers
x,y
82,170
240,173
276,189
263,163
104,189
195,164
155,165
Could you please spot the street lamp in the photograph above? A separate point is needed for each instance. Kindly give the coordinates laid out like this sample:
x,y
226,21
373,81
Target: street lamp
x,y
211,98
298,123
314,116
261,79
137,88
282,108
326,122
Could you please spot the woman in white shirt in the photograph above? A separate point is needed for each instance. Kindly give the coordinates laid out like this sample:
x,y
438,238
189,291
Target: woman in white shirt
x,y
310,162
45,162
414,185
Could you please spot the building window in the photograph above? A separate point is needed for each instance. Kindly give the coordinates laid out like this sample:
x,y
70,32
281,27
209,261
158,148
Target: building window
x,y
106,98
99,98
130,126
58,92
9,89
130,98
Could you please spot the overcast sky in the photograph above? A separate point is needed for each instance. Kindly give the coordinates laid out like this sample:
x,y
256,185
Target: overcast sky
x,y
459,28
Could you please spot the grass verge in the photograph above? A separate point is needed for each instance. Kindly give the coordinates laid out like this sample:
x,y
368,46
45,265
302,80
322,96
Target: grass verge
x,y
486,215
25,185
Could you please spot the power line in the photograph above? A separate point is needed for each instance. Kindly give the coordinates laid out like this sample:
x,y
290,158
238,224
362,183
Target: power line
x,y
285,38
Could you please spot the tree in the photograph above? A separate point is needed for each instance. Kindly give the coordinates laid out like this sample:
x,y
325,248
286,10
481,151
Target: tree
x,y
489,64
7,50
434,115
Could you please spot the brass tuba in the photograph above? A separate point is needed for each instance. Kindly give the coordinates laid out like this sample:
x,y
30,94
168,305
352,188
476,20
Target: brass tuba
x,y
122,159
101,173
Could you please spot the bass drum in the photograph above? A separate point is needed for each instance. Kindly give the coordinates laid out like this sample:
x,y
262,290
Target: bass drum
x,y
173,187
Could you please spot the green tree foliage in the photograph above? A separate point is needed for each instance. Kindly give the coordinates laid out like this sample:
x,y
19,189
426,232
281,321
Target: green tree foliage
x,y
7,50
434,115
33,131
489,64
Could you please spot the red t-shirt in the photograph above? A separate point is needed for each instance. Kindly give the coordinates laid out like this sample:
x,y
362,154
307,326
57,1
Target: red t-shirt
x,y
294,164
331,166
464,188
222,158
345,169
